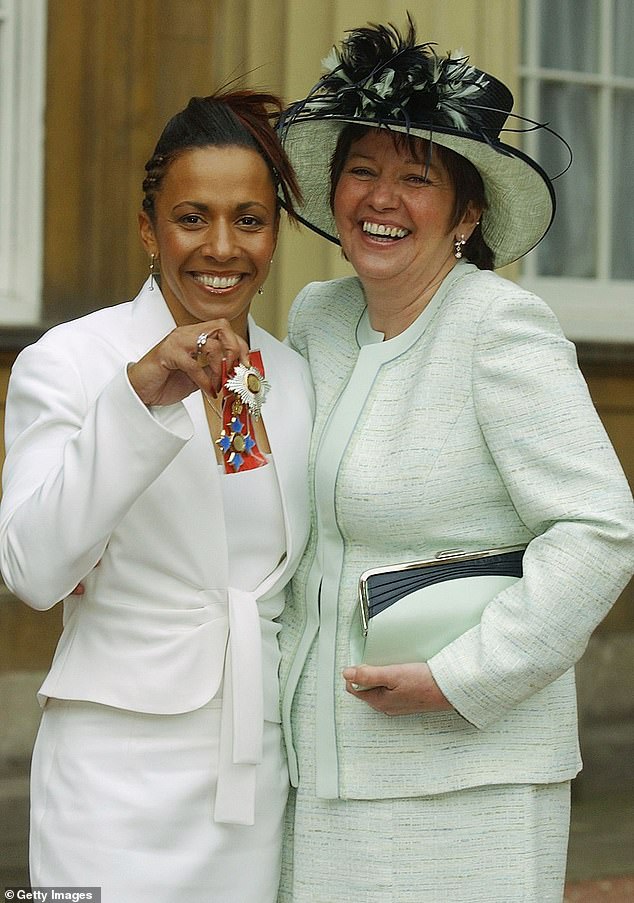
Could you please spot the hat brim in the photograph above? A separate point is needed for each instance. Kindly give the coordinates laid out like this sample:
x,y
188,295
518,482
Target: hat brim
x,y
520,196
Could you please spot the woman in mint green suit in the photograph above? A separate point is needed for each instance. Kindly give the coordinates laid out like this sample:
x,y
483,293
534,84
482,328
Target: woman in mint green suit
x,y
450,415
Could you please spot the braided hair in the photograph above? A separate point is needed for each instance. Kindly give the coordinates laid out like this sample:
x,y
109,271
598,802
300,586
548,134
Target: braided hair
x,y
231,119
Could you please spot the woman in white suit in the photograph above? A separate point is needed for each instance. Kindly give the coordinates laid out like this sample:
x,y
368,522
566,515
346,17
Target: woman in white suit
x,y
450,415
157,452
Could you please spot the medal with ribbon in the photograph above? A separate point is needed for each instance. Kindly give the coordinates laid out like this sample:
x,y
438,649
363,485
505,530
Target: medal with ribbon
x,y
243,394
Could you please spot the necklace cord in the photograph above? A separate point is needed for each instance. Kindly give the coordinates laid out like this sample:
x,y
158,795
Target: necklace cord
x,y
211,404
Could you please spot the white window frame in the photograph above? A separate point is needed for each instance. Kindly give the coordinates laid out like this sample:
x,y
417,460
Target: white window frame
x,y
22,102
599,309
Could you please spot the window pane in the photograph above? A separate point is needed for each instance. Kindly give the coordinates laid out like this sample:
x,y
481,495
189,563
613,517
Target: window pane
x,y
624,38
623,192
569,35
569,249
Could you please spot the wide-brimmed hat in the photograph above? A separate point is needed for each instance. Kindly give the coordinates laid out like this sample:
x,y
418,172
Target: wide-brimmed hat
x,y
380,79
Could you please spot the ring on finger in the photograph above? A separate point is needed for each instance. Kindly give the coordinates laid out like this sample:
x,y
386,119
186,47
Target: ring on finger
x,y
199,354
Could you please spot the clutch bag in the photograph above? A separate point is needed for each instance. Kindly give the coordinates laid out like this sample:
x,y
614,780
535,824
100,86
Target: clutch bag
x,y
409,612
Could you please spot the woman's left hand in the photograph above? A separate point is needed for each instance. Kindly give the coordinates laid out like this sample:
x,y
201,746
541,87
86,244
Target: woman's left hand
x,y
397,689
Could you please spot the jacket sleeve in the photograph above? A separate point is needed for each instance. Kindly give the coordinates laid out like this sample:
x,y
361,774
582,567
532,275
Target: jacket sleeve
x,y
74,466
568,488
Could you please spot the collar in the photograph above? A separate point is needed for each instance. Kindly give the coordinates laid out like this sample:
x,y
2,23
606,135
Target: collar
x,y
373,342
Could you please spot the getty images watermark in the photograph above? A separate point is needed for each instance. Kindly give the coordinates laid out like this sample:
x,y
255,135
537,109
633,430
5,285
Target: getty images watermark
x,y
48,894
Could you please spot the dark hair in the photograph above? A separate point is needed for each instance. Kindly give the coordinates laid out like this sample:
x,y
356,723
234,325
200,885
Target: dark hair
x,y
232,119
465,179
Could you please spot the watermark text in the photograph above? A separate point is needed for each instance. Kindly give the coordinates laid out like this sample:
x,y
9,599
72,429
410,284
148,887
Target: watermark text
x,y
50,894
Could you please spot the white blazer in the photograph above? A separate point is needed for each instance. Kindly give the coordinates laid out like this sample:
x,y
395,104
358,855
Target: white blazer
x,y
94,476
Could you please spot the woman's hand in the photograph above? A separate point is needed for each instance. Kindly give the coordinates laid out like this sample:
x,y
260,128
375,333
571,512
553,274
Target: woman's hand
x,y
177,366
397,689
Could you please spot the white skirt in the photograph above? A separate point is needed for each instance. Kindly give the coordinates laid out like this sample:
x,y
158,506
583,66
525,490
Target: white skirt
x,y
124,801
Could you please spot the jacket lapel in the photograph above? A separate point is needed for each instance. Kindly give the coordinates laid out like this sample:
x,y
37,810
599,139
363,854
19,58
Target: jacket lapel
x,y
152,321
278,413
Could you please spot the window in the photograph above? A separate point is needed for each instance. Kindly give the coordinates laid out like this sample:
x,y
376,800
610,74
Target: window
x,y
22,80
578,74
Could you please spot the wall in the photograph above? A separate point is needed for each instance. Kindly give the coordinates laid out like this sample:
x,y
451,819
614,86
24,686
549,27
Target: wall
x,y
116,72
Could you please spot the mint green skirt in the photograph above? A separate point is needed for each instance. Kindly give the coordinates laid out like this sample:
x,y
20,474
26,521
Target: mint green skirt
x,y
490,844
497,844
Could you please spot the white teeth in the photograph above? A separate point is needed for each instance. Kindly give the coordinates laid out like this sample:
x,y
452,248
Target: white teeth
x,y
387,231
217,281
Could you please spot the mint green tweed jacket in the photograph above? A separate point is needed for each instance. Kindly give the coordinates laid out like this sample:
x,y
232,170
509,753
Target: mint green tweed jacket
x,y
472,429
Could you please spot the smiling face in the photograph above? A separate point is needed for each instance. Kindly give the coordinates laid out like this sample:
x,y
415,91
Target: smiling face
x,y
394,215
214,231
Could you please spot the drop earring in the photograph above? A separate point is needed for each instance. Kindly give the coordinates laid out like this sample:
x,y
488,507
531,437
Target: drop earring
x,y
261,290
152,270
458,245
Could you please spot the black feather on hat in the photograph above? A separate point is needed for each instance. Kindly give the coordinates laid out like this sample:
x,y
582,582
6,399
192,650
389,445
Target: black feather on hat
x,y
381,79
